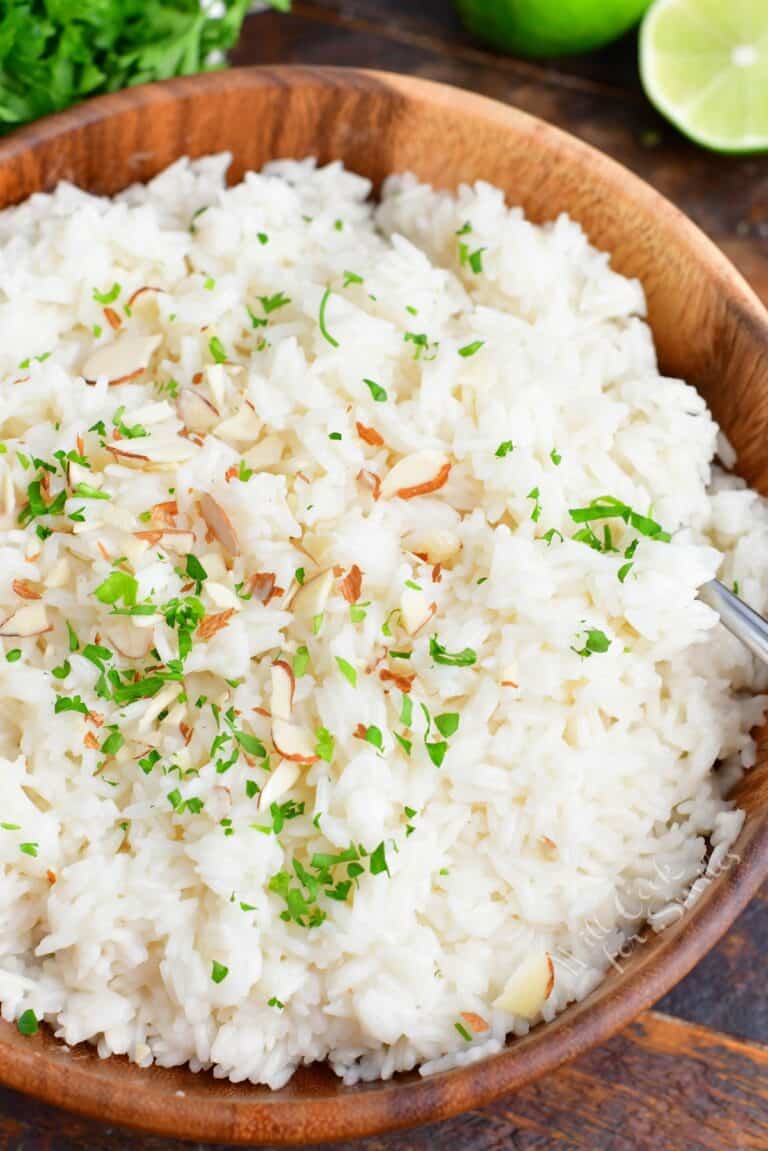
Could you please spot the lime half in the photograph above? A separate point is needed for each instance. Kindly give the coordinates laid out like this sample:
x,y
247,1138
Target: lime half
x,y
549,27
704,64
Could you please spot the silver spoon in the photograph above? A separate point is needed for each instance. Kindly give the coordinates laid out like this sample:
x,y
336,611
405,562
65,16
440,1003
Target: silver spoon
x,y
737,616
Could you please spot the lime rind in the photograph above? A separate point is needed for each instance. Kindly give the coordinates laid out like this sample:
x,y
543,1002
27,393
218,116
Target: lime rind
x,y
704,65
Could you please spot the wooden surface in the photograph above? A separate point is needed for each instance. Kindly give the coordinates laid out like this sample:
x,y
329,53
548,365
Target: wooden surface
x,y
665,1083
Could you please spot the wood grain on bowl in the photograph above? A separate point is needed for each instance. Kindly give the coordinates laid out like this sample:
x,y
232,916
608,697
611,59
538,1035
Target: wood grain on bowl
x,y
709,328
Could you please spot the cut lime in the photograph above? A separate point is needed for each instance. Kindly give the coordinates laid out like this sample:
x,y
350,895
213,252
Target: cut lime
x,y
549,27
704,64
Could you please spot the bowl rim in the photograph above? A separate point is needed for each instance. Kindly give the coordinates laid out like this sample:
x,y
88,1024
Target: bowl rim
x,y
397,1103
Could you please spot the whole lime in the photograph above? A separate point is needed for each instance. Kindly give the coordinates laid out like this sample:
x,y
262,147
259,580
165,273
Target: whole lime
x,y
549,27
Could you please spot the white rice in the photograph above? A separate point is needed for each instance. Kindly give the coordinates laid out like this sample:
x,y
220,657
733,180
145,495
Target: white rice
x,y
568,809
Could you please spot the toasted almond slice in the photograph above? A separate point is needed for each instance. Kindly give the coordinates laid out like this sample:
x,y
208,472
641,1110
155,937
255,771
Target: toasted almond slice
x,y
292,742
261,586
113,319
25,589
172,539
281,780
402,682
437,546
528,987
196,412
121,359
351,585
133,458
77,474
165,513
141,295
219,523
312,596
283,687
415,611
371,481
476,1022
210,624
29,620
369,435
132,642
244,427
416,475
508,677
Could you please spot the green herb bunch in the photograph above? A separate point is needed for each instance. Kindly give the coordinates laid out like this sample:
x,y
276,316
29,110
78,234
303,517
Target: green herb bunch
x,y
54,53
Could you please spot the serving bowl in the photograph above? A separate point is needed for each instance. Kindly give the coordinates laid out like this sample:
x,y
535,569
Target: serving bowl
x,y
709,327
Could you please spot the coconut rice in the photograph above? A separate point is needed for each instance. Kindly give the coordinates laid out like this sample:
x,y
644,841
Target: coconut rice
x,y
356,702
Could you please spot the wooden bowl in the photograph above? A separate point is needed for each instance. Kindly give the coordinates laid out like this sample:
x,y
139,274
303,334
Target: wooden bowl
x,y
709,328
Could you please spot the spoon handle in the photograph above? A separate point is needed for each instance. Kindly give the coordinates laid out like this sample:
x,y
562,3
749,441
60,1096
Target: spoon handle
x,y
737,616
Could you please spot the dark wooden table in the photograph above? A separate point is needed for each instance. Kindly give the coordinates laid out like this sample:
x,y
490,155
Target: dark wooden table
x,y
692,1074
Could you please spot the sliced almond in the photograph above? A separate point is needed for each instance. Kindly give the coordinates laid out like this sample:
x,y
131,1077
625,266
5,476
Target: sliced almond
x,y
29,620
132,457
369,435
311,597
261,585
132,642
528,987
476,1022
142,294
416,475
220,524
25,589
351,585
244,427
283,687
292,742
281,780
121,359
172,539
77,474
437,546
196,412
371,481
401,681
211,624
415,611
165,513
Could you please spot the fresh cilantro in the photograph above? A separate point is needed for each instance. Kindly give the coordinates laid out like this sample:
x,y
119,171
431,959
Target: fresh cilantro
x,y
595,643
378,393
195,571
127,431
56,54
301,661
324,745
504,448
26,1024
347,670
217,350
439,654
321,319
218,971
373,736
470,349
107,297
